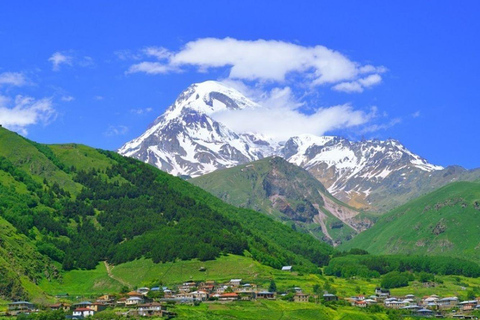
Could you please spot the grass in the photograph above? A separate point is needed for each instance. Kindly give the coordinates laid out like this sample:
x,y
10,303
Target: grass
x,y
82,283
269,310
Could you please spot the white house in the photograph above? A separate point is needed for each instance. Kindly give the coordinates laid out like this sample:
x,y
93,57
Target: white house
x,y
83,312
133,301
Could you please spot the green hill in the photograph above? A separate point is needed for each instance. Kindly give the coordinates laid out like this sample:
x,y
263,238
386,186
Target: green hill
x,y
73,206
289,194
444,222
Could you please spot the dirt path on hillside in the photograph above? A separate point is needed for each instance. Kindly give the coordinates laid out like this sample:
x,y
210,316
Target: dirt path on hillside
x,y
110,275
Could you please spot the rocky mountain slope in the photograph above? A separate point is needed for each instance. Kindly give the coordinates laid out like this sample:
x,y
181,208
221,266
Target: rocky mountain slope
x,y
187,140
288,193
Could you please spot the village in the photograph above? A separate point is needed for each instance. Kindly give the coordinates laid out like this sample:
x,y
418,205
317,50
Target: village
x,y
158,301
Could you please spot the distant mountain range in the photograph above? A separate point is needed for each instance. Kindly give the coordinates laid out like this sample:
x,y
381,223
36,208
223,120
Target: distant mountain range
x,y
373,175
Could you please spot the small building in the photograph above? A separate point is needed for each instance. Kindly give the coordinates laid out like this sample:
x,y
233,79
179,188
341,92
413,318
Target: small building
x,y
200,295
143,290
232,296
134,294
360,303
121,302
83,304
83,312
447,303
98,306
151,309
287,268
424,312
330,297
300,297
59,306
18,307
235,282
134,301
382,293
266,295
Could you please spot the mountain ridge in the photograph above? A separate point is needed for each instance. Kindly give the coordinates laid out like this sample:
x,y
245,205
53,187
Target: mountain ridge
x,y
188,141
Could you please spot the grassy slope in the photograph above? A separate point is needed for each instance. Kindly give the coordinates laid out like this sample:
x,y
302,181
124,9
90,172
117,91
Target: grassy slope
x,y
411,228
268,310
245,186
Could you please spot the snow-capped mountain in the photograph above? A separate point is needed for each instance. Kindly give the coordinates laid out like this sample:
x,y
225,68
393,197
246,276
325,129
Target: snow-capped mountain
x,y
352,170
187,141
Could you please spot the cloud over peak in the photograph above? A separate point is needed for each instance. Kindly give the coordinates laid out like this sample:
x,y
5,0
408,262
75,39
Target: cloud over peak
x,y
261,60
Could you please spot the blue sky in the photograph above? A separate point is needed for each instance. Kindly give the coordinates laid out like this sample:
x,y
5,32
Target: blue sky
x,y
71,71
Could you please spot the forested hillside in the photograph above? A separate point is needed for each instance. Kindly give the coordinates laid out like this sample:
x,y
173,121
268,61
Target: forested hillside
x,y
444,222
78,206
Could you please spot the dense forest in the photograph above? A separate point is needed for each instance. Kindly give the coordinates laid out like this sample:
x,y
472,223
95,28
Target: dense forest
x,y
80,206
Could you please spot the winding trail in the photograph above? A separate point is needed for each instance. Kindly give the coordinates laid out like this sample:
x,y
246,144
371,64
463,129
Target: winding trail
x,y
110,275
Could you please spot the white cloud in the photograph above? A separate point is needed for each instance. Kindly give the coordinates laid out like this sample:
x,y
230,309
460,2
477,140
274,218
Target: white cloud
x,y
67,98
280,117
98,98
348,87
259,60
12,78
141,111
116,131
359,85
383,126
21,112
416,114
58,58
151,68
158,52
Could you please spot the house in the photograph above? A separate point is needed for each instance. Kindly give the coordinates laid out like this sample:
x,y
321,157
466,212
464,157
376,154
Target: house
x,y
83,312
468,305
235,282
98,306
246,295
360,304
266,295
200,295
134,301
59,306
447,303
382,293
330,297
106,299
300,297
132,294
424,312
18,307
287,268
143,290
246,288
228,297
83,304
121,302
151,309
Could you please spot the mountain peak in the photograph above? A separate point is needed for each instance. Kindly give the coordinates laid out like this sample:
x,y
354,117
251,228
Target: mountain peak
x,y
207,98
